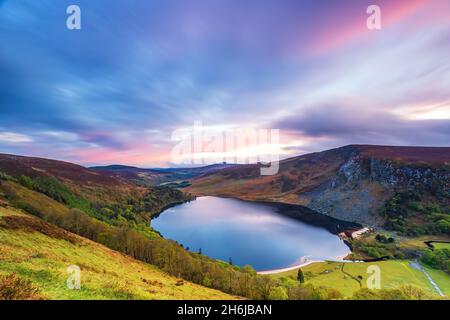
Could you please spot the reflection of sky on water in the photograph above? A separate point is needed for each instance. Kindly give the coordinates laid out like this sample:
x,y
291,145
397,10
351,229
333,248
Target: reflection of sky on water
x,y
249,233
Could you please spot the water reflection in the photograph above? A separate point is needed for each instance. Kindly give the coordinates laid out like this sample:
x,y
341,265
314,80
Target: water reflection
x,y
248,233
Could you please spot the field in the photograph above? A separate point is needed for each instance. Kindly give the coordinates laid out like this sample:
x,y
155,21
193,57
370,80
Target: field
x,y
344,276
438,245
42,252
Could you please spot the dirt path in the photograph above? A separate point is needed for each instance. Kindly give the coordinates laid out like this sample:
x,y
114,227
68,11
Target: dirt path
x,y
349,275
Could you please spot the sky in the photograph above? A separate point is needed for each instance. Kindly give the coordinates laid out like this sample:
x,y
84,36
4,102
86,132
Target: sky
x,y
116,90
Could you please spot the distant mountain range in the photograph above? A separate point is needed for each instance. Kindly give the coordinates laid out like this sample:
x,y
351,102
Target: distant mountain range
x,y
112,184
155,176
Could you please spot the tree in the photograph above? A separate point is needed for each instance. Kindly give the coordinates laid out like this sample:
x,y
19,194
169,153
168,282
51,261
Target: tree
x,y
300,276
207,282
230,261
278,293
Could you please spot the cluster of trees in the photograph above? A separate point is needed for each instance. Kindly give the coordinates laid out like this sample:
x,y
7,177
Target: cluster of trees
x,y
57,191
157,199
418,212
437,259
378,249
177,185
384,239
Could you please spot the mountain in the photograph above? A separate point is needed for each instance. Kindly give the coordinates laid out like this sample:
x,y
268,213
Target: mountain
x,y
31,166
156,176
90,184
131,174
351,183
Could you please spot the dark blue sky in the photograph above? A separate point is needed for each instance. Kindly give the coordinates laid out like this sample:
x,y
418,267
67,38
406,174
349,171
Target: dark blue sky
x,y
114,91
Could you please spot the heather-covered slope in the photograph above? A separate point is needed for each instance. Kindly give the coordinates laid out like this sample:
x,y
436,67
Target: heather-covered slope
x,y
350,183
87,183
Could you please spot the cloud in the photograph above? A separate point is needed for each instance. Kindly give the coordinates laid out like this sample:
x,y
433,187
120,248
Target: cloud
x,y
11,137
348,124
115,90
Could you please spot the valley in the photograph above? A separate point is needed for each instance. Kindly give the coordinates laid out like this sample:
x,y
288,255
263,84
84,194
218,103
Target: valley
x,y
61,214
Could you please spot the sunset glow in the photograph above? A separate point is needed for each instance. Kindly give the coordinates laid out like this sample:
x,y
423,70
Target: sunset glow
x,y
116,90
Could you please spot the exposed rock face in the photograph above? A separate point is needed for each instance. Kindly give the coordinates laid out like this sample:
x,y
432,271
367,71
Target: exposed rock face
x,y
361,185
349,183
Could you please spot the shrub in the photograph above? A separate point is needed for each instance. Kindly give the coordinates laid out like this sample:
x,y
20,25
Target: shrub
x,y
278,293
13,287
300,276
383,239
407,292
7,177
437,259
444,226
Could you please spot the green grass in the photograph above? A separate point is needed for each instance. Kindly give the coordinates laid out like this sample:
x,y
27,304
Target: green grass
x,y
105,274
438,245
441,278
394,273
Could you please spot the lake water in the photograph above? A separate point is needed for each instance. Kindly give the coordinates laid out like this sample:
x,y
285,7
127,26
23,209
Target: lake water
x,y
247,232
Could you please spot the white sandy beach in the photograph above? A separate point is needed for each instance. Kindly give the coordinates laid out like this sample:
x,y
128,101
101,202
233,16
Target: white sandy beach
x,y
288,268
300,265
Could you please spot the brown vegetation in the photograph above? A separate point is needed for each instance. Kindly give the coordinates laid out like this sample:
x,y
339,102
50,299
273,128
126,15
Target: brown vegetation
x,y
13,287
80,180
30,224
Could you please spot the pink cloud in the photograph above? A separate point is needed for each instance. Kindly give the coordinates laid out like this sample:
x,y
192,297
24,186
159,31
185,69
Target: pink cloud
x,y
136,154
340,29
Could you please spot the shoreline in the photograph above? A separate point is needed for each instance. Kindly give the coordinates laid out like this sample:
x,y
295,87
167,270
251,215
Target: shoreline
x,y
274,271
305,263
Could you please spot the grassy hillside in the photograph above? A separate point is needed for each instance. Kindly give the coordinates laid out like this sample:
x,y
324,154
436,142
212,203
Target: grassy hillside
x,y
344,276
41,252
442,245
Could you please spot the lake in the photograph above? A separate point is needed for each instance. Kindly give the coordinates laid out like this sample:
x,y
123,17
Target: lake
x,y
247,232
